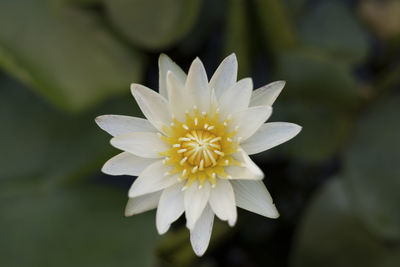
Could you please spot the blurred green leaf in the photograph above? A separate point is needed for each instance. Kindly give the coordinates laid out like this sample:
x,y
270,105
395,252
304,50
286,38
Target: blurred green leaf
x,y
153,24
80,226
64,53
275,24
331,28
46,145
372,169
237,35
321,95
331,235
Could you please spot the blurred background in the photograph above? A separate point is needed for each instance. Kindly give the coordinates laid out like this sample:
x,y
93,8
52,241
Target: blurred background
x,y
336,185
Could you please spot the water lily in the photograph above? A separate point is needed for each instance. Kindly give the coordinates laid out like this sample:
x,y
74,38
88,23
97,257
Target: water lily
x,y
191,154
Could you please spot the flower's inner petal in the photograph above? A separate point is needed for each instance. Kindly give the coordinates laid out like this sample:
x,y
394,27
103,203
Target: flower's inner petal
x,y
236,98
201,233
153,105
119,124
195,201
166,65
225,76
222,201
196,88
126,163
141,204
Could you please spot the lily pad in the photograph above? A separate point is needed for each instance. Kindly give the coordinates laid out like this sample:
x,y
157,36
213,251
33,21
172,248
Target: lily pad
x,y
331,235
65,54
153,24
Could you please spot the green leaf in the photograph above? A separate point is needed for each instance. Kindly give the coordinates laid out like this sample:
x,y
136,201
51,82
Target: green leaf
x,y
276,27
65,54
331,235
320,95
372,169
237,35
156,24
79,226
49,145
332,28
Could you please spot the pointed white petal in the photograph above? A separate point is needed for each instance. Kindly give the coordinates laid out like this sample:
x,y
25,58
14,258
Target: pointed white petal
x,y
147,145
222,201
141,204
195,200
126,164
248,171
254,196
165,64
178,97
269,135
225,76
153,179
119,124
197,86
201,233
236,98
249,120
267,94
170,207
153,105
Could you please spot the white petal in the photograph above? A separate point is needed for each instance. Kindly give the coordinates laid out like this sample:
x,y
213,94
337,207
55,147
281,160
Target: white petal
x,y
170,207
178,98
269,135
225,76
248,171
222,201
254,196
119,124
165,64
153,179
201,233
236,98
197,86
249,121
153,105
195,200
141,204
147,145
126,164
267,94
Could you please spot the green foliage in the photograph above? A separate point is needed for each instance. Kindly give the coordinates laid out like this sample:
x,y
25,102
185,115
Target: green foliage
x,y
156,24
331,234
64,53
82,226
372,171
323,29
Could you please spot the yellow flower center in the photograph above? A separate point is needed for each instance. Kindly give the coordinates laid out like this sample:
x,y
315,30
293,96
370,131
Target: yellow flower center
x,y
201,147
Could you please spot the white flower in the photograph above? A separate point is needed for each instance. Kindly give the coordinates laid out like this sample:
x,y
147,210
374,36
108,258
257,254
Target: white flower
x,y
191,154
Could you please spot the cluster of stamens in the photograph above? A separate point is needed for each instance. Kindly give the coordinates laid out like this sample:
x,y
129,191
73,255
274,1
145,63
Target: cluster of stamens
x,y
200,148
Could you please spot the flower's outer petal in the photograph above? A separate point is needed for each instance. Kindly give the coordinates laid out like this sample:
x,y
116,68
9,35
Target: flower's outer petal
x,y
254,196
249,121
269,135
195,200
165,64
177,96
147,145
267,94
236,98
153,105
201,233
152,179
141,204
196,86
126,163
170,207
119,124
222,201
248,171
225,76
